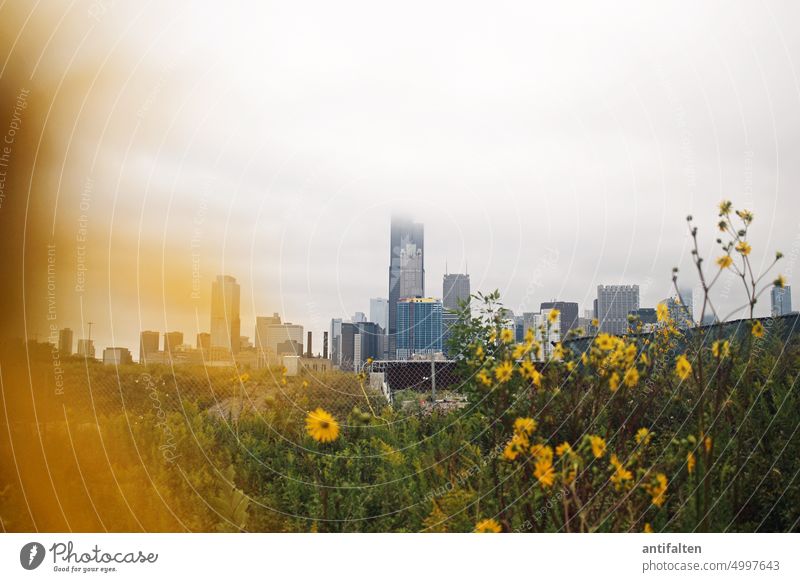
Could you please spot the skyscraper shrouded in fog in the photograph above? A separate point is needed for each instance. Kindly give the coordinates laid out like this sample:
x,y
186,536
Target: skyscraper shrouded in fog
x,y
406,249
225,322
781,299
65,342
614,303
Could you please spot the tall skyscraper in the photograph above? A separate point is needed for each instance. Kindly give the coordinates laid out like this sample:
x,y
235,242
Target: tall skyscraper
x,y
225,322
781,299
419,327
148,344
614,303
404,232
65,342
412,271
379,312
568,314
203,341
172,339
359,317
455,289
336,341
86,348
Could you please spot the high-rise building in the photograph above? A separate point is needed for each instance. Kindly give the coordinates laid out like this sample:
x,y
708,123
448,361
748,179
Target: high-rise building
x,y
614,303
419,327
148,344
569,314
117,357
271,333
367,343
404,232
679,313
65,342
225,322
455,290
412,271
346,351
359,317
263,323
336,341
86,348
545,332
781,299
203,341
379,312
172,339
645,320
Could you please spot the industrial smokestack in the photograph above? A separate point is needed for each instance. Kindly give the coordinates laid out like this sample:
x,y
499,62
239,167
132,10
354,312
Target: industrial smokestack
x,y
325,344
309,351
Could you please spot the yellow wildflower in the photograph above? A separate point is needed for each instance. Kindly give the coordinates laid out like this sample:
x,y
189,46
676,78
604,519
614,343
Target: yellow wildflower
x,y
321,426
613,382
724,261
487,526
552,316
604,341
540,451
479,352
484,378
529,336
520,350
563,449
662,312
647,528
529,372
658,490
682,367
690,462
721,349
621,474
515,446
504,371
631,377
506,335
757,330
744,248
780,281
598,446
643,436
707,442
725,207
525,426
544,472
558,352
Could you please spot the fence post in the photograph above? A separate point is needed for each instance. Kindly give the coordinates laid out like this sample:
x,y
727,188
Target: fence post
x,y
433,378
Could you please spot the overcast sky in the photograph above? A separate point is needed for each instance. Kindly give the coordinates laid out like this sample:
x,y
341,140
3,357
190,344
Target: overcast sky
x,y
550,146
